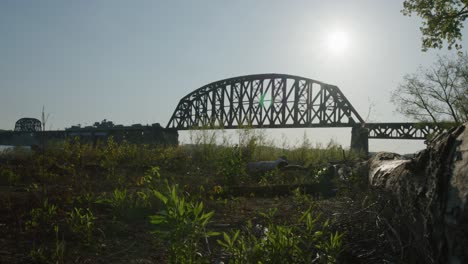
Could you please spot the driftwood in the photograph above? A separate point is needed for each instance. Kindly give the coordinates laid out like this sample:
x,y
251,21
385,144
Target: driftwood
x,y
431,194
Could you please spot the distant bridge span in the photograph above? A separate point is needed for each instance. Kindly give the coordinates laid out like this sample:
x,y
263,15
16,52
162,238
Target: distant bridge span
x,y
258,101
283,101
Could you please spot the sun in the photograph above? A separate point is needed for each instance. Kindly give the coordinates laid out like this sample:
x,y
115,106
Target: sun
x,y
337,42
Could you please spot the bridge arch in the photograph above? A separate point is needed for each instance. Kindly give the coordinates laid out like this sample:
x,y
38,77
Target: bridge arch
x,y
265,101
27,124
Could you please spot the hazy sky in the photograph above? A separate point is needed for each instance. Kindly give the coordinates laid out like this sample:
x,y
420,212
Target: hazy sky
x,y
131,61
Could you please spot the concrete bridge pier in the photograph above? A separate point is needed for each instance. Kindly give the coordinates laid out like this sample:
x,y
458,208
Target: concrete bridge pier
x,y
360,140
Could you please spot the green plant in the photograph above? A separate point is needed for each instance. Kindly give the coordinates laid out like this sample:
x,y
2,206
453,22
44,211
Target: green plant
x,y
183,224
11,177
119,201
243,247
331,248
42,218
229,165
111,157
81,222
298,243
151,178
43,254
59,247
271,244
301,199
43,162
38,255
84,199
271,177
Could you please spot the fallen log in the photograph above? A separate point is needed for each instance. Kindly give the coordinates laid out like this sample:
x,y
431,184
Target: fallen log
x,y
430,192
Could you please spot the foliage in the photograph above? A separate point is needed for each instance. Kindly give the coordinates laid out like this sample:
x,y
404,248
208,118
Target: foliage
x,y
435,94
183,224
442,20
271,177
59,251
119,201
9,176
331,248
302,200
150,179
230,165
73,157
81,222
275,243
111,157
42,254
84,199
126,178
42,218
38,255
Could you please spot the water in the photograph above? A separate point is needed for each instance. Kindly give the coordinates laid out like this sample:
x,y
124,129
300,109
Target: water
x,y
3,147
6,147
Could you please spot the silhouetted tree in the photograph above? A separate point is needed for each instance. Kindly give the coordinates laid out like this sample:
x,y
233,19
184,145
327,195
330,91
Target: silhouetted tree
x,y
435,94
442,20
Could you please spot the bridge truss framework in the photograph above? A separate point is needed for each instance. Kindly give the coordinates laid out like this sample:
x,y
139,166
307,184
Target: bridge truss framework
x,y
280,101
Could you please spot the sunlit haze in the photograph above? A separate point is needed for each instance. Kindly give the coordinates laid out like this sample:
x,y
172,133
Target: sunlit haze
x,y
338,42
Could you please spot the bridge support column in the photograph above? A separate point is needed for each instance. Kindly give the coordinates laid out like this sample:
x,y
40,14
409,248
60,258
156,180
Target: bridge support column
x,y
360,140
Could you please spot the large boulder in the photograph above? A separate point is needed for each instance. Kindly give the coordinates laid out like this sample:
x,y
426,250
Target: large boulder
x,y
431,193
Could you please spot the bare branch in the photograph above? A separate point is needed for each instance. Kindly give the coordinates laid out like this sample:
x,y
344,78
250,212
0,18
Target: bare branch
x,y
438,93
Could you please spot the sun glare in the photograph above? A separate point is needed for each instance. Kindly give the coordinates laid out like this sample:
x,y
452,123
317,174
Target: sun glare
x,y
337,42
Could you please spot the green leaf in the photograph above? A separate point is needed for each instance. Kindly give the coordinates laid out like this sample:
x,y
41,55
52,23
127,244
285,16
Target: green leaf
x,y
307,213
226,238
160,196
236,235
174,196
181,207
318,234
157,219
222,243
212,233
197,209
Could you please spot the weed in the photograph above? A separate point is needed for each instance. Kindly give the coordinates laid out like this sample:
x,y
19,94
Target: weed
x,y
85,199
301,200
10,176
111,156
150,179
38,255
183,224
81,222
331,248
119,202
279,243
59,247
42,218
271,177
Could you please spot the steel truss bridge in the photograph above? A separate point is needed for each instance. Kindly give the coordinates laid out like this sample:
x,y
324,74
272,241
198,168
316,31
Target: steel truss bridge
x,y
281,101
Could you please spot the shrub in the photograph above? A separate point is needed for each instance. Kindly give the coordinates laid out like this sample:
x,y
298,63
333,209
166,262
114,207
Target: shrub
x,y
183,224
119,201
42,218
81,222
274,243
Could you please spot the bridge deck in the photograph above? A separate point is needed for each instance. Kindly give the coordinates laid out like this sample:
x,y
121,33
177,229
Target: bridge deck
x,y
401,130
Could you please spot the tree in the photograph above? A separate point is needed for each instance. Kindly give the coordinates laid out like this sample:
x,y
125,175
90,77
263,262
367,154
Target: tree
x,y
442,20
436,94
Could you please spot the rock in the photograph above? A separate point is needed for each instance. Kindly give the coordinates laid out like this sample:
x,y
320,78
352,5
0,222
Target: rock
x,y
262,167
431,191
